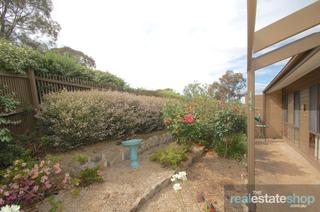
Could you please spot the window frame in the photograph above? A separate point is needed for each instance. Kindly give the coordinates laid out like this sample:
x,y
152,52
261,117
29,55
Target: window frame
x,y
296,109
285,102
316,128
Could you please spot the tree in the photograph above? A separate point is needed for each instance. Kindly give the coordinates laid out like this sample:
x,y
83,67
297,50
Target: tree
x,y
107,79
195,89
25,21
169,92
79,56
229,88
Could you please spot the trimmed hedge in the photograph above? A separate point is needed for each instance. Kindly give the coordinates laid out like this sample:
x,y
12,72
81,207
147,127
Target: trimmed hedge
x,y
72,119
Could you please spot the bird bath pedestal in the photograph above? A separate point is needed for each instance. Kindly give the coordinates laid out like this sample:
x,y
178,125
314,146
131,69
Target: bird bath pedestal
x,y
132,144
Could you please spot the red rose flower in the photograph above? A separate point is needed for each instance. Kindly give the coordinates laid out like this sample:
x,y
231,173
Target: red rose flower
x,y
188,118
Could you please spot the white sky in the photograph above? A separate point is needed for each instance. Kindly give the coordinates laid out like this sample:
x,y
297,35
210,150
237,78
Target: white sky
x,y
169,43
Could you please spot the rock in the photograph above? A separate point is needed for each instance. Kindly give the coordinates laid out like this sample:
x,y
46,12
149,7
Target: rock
x,y
95,158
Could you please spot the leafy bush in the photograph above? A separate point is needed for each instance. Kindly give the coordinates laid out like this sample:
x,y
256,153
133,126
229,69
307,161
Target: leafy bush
x,y
18,59
225,122
25,182
89,176
8,103
187,120
56,204
234,148
77,118
205,120
9,150
171,155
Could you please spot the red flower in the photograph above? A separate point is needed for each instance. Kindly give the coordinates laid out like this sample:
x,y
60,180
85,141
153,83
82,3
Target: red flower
x,y
188,118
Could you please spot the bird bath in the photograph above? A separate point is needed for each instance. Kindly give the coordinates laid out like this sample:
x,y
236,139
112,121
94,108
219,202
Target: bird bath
x,y
132,144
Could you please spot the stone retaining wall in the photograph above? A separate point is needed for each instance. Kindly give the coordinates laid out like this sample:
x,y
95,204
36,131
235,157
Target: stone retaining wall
x,y
115,152
149,143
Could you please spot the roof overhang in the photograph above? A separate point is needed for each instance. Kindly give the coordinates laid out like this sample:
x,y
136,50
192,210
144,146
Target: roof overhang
x,y
287,51
286,27
303,52
295,69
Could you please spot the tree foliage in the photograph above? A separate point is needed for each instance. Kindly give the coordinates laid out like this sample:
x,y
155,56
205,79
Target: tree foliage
x,y
168,92
81,57
195,89
25,21
18,59
229,88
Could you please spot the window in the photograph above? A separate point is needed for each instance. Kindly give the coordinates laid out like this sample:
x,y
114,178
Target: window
x,y
296,115
314,119
285,107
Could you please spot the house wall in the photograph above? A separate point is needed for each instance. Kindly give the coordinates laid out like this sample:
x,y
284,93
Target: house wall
x,y
259,105
303,85
276,127
274,115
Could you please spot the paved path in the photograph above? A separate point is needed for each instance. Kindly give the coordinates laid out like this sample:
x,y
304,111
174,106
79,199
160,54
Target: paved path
x,y
279,163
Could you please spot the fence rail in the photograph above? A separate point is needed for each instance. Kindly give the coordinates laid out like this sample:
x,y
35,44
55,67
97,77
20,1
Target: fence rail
x,y
30,90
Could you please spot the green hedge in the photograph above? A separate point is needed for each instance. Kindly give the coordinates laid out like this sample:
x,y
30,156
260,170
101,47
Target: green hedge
x,y
18,59
74,118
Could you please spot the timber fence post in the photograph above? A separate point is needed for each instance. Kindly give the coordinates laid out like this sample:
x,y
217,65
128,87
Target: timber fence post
x,y
33,88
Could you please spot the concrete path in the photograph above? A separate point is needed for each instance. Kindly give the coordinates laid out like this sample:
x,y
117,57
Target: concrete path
x,y
279,163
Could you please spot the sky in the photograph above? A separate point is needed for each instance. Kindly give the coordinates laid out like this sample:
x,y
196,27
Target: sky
x,y
169,43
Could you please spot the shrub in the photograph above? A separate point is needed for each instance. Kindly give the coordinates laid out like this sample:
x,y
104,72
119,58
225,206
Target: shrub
x,y
77,118
182,120
205,120
235,149
171,155
225,122
82,159
25,182
56,204
9,150
187,120
89,176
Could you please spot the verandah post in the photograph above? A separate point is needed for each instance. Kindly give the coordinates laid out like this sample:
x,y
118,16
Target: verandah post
x,y
251,16
251,128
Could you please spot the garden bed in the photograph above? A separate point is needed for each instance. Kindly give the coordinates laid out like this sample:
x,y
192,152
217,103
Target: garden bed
x,y
108,153
206,178
122,187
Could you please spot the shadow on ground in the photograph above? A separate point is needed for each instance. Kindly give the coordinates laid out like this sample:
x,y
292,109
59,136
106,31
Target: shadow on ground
x,y
266,162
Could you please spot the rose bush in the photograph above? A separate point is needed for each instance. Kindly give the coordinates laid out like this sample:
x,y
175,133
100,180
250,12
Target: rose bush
x,y
208,121
186,119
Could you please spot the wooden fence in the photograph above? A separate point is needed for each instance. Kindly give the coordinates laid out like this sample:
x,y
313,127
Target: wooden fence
x,y
30,89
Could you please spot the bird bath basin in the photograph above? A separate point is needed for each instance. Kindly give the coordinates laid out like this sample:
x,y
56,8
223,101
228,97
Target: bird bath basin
x,y
132,144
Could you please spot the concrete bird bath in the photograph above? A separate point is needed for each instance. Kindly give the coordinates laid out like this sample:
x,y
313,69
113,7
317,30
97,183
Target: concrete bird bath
x,y
132,144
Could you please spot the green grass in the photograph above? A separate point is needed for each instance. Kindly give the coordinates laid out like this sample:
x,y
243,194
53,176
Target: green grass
x,y
82,159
